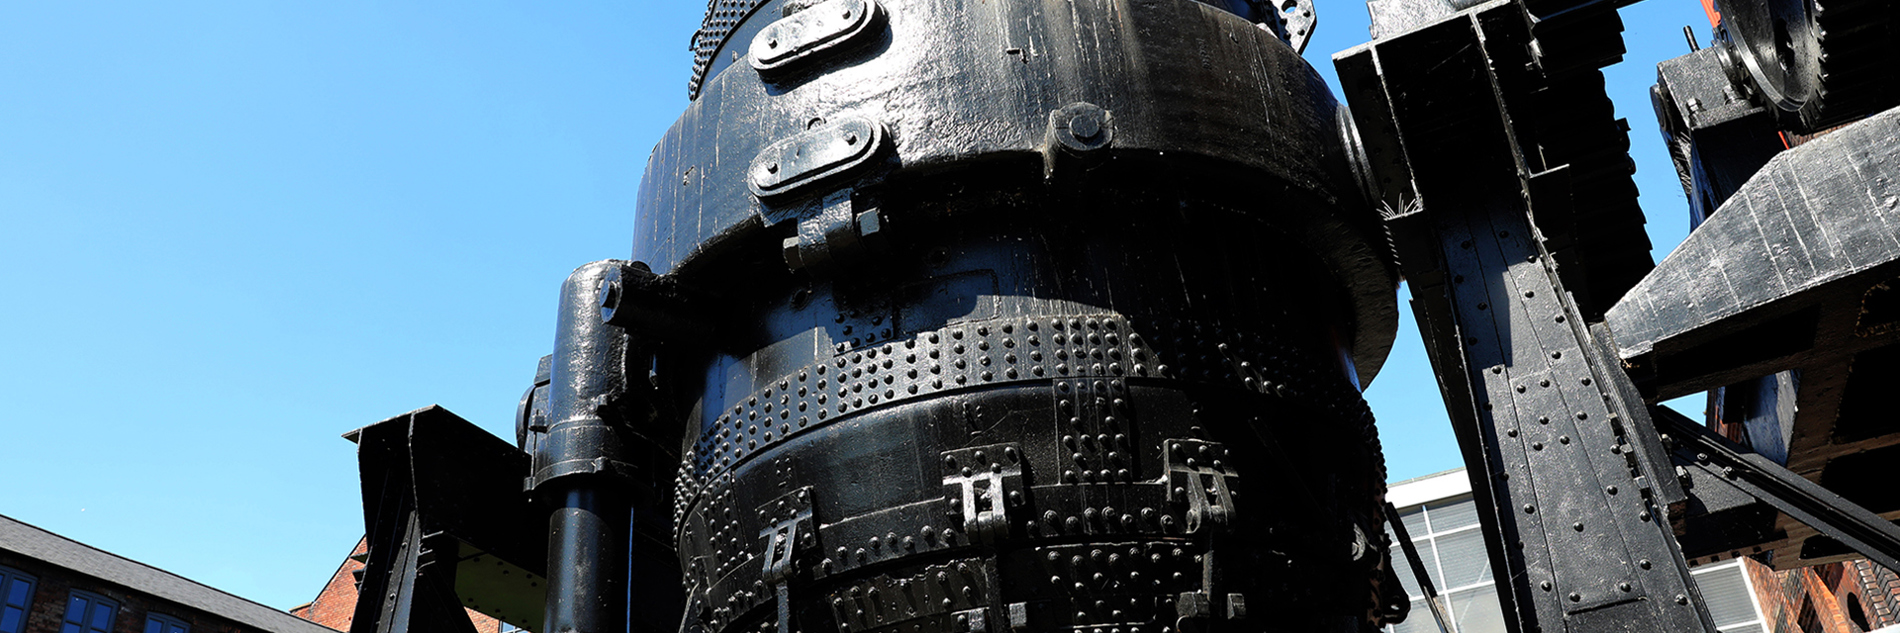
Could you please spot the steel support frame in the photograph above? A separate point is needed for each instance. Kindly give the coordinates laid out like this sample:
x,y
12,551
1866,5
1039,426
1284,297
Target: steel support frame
x,y
1718,461
1563,465
447,524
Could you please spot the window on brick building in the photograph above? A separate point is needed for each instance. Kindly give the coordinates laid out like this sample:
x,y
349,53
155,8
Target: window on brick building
x,y
16,594
1809,620
1730,596
1857,614
88,612
161,623
1831,574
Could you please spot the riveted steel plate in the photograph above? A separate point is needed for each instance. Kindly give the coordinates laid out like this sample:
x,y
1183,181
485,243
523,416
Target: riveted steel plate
x,y
806,35
816,155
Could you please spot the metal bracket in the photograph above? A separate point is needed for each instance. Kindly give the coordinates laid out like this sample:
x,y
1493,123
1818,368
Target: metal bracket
x,y
652,306
1199,475
1297,20
791,533
982,483
819,154
837,232
802,37
971,621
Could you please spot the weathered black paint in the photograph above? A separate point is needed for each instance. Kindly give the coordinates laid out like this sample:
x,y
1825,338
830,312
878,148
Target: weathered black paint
x,y
1038,316
954,315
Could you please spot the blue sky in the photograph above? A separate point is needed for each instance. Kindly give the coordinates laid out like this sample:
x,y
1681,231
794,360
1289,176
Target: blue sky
x,y
234,231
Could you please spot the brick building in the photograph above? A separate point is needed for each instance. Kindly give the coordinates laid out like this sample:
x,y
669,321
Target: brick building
x,y
52,584
335,606
1743,594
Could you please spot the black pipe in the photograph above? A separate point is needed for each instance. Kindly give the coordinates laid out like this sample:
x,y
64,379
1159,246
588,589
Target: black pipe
x,y
587,556
580,466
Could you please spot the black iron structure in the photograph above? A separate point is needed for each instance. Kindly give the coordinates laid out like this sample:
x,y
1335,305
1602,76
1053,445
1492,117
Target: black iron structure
x,y
985,316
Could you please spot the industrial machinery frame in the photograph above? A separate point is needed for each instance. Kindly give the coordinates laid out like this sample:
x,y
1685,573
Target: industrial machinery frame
x,y
966,316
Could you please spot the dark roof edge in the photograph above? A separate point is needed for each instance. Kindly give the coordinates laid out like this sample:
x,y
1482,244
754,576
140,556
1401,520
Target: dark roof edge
x,y
39,544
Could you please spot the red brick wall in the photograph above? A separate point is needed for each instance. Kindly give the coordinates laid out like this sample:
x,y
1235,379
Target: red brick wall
x,y
1879,592
53,585
335,606
1826,587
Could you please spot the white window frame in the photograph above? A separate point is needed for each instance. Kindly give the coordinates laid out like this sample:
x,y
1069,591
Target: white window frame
x,y
1748,582
1430,536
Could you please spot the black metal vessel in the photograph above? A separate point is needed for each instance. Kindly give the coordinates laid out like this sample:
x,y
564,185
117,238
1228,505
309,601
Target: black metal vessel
x,y
967,315
1027,316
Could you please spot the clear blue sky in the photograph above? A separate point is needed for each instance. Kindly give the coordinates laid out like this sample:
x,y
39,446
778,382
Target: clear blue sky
x,y
233,231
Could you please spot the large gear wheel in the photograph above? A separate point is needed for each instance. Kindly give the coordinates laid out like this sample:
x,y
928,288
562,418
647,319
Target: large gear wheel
x,y
1820,63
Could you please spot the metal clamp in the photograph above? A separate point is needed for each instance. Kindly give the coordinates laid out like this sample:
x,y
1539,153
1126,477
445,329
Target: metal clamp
x,y
791,533
982,483
1198,475
838,232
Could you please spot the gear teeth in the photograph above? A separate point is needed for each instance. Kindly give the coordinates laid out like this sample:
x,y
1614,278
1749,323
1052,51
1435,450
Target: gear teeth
x,y
1856,73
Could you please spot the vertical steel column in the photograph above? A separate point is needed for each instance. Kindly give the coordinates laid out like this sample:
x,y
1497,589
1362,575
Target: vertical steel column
x,y
1562,462
587,555
580,462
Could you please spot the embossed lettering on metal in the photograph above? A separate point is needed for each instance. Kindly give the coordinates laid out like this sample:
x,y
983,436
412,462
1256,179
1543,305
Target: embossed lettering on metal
x,y
814,155
825,26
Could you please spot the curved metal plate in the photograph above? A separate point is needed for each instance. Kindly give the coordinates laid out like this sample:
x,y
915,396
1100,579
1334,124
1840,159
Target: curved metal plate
x,y
804,35
815,155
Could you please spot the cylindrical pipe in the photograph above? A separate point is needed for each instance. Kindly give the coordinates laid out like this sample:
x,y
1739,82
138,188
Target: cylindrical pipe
x,y
578,465
588,384
587,562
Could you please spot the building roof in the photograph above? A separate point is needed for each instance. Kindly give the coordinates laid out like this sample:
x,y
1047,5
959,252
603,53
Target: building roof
x,y
1429,488
53,549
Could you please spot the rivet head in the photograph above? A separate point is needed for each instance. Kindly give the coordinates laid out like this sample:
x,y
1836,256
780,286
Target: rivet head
x,y
1085,126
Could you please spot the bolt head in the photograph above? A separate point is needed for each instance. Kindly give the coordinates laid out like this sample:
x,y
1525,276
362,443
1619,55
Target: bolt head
x,y
870,223
1085,126
792,258
607,292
